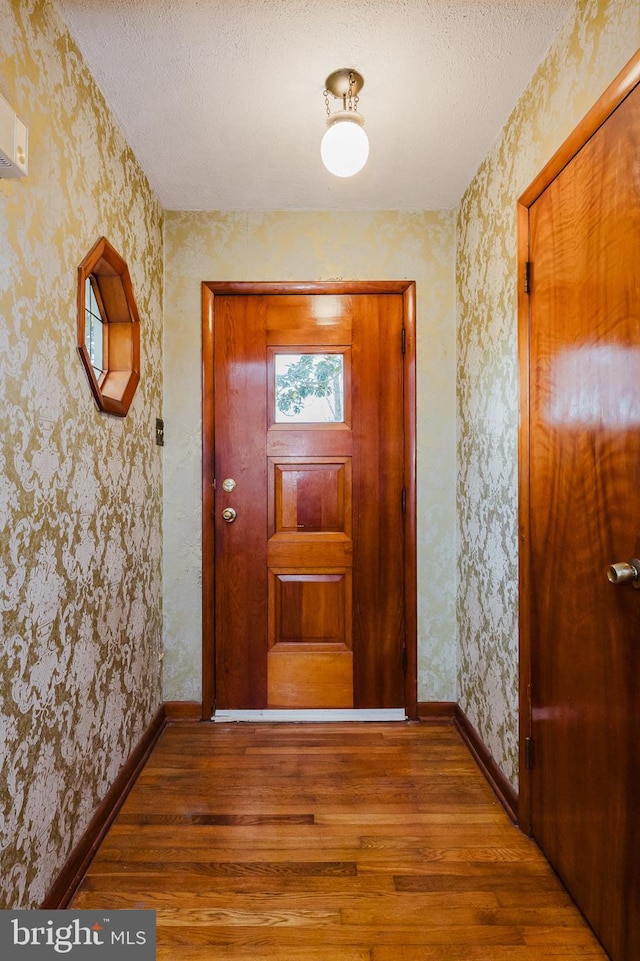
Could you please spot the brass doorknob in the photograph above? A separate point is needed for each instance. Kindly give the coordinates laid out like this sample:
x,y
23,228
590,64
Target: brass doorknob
x,y
229,515
625,571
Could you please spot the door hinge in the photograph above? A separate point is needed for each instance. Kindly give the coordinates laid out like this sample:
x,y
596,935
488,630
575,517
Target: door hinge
x,y
527,276
404,660
528,753
403,340
404,500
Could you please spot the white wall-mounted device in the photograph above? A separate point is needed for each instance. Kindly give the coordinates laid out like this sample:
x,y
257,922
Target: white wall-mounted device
x,y
13,142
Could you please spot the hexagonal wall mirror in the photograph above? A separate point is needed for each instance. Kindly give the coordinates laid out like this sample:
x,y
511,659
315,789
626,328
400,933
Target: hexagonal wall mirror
x,y
108,328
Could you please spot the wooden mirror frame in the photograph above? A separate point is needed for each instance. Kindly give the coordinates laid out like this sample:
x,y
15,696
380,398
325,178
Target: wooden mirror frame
x,y
114,390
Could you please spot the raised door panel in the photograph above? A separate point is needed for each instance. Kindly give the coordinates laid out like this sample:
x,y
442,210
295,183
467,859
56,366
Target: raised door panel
x,y
311,496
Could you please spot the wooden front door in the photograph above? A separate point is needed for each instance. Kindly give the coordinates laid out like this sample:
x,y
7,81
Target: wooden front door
x,y
308,496
583,493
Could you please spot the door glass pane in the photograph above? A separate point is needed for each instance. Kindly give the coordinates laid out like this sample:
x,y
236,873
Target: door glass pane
x,y
93,330
309,388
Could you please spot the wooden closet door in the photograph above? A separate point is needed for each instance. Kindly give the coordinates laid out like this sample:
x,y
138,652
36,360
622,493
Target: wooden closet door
x,y
584,451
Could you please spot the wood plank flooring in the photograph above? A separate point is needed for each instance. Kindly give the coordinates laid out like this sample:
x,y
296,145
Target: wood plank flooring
x,y
336,842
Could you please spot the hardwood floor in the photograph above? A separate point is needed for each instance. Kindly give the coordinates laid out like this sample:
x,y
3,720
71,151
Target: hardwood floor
x,y
356,842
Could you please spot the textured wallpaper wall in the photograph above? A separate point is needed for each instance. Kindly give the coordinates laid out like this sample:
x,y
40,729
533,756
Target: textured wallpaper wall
x,y
310,246
595,43
80,492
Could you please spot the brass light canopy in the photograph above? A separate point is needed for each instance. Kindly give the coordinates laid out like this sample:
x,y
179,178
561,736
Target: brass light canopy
x,y
341,83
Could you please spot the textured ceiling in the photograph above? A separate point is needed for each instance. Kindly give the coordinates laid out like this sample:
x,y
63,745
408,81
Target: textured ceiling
x,y
221,100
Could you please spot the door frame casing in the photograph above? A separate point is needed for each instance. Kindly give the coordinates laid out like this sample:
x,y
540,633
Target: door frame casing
x,y
211,289
616,92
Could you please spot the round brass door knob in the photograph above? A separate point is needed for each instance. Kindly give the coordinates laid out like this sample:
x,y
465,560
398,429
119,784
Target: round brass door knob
x,y
625,571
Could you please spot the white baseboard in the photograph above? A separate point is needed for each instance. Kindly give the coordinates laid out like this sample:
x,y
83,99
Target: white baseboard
x,y
316,716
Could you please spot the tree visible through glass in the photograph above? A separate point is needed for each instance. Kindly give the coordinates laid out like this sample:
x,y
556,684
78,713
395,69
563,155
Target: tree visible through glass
x,y
309,388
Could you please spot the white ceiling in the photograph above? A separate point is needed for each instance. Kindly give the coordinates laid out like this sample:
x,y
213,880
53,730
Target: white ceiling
x,y
221,100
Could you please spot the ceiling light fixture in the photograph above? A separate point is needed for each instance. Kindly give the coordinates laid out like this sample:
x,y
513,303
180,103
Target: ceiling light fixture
x,y
345,146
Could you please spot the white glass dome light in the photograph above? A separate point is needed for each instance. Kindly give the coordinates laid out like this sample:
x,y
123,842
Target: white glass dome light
x,y
345,146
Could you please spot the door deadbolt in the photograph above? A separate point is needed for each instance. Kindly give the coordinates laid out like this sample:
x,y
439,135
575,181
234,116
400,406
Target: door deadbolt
x,y
228,484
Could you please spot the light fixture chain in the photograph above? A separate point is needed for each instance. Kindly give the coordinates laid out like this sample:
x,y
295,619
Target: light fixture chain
x,y
326,102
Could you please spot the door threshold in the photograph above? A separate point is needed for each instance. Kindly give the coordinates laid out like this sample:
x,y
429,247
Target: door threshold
x,y
315,716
